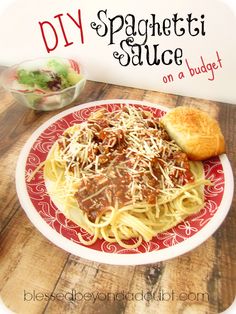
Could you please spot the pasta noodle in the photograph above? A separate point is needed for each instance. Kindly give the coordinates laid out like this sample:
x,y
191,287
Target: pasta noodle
x,y
119,176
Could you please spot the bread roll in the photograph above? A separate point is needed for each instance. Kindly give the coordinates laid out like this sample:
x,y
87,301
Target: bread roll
x,y
195,132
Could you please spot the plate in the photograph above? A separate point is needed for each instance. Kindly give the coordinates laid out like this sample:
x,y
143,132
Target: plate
x,y
46,217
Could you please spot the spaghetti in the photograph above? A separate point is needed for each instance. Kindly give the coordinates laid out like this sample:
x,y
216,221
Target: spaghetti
x,y
120,176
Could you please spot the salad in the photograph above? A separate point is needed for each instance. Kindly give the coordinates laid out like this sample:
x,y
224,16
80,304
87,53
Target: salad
x,y
45,83
54,76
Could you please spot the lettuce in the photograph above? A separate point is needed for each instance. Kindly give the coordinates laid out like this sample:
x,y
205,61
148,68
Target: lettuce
x,y
59,68
33,78
55,76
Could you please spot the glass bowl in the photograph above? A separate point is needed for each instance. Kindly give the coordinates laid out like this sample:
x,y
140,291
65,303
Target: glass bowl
x,y
58,93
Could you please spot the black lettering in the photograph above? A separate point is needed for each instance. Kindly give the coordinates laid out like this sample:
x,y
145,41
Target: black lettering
x,y
178,56
203,25
137,54
166,27
156,61
189,19
124,59
145,30
113,29
175,19
103,26
130,26
155,26
163,57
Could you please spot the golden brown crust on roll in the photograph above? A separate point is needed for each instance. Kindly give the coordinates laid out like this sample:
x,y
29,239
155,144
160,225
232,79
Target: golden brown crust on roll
x,y
195,132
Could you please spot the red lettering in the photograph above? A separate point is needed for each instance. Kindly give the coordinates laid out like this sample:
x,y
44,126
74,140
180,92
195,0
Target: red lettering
x,y
209,67
197,70
203,67
63,30
169,78
79,25
46,27
44,37
191,70
218,59
215,67
181,75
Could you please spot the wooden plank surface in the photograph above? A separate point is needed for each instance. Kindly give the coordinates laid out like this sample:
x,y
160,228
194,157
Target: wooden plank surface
x,y
201,281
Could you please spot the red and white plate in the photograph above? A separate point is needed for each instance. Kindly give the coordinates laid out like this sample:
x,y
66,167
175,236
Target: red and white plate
x,y
44,214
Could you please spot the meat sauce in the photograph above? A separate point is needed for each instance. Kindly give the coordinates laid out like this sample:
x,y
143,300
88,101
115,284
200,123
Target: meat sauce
x,y
112,190
112,185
